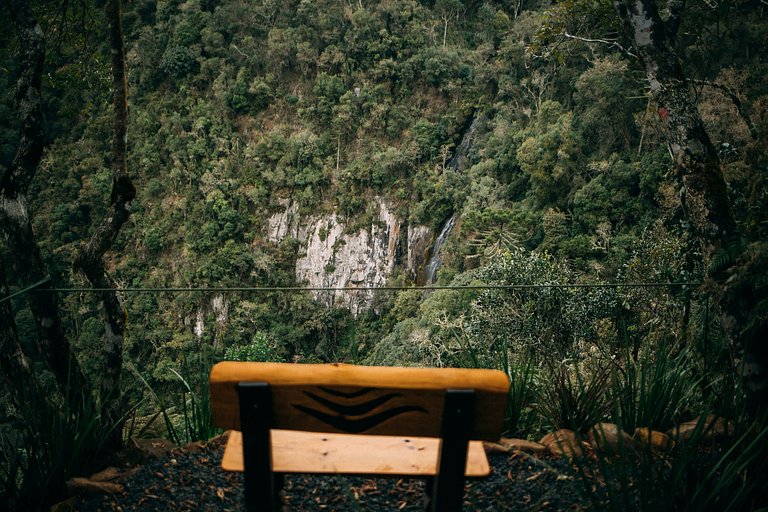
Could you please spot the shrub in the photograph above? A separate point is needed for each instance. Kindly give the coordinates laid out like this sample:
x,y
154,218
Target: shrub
x,y
178,61
261,349
654,390
576,400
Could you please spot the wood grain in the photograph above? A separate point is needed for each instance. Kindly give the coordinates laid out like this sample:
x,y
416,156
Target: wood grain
x,y
322,453
340,398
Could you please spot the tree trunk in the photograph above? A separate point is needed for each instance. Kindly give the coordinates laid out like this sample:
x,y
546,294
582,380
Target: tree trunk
x,y
705,195
44,480
89,260
445,29
19,379
19,245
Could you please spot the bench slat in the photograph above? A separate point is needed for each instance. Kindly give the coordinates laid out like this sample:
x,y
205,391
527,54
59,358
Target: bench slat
x,y
342,398
317,453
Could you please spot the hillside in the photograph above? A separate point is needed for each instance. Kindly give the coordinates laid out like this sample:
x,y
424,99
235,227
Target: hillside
x,y
329,112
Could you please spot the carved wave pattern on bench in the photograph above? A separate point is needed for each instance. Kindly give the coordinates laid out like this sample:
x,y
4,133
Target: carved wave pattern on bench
x,y
355,417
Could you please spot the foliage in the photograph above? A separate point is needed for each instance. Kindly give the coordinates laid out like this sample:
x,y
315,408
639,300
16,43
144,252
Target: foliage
x,y
182,398
71,439
195,412
409,344
684,479
547,155
655,391
536,316
602,93
178,61
521,418
261,349
577,399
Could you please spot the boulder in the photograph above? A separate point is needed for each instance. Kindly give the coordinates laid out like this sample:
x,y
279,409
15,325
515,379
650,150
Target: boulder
x,y
713,427
522,445
140,451
609,438
508,445
491,447
194,447
563,442
658,440
79,486
106,475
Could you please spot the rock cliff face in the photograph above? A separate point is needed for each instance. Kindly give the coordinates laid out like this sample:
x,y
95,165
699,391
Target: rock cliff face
x,y
219,306
334,258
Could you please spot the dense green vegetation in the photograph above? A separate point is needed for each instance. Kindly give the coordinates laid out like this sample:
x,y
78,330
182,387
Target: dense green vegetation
x,y
236,106
233,107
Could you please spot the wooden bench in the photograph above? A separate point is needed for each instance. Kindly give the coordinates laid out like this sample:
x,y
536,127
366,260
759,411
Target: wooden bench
x,y
301,418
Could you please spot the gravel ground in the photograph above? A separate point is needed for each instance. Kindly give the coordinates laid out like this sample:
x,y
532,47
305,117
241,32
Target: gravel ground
x,y
193,480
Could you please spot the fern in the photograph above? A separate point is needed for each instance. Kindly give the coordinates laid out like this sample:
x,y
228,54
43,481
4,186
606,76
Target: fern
x,y
727,255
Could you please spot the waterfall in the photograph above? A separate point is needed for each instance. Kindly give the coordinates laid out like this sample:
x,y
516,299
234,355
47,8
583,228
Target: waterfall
x,y
457,163
430,271
458,160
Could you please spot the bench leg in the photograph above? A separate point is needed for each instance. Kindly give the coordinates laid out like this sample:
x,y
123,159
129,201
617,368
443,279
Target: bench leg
x,y
261,493
429,489
279,479
447,493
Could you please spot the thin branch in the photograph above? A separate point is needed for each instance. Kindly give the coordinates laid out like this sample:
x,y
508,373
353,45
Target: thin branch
x,y
241,52
614,44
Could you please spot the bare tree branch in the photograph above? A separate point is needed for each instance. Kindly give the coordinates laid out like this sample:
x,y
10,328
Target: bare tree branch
x,y
614,44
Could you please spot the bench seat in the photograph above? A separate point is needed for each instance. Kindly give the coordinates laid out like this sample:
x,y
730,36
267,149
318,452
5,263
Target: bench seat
x,y
323,453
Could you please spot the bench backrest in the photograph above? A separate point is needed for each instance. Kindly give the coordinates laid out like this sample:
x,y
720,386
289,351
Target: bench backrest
x,y
353,399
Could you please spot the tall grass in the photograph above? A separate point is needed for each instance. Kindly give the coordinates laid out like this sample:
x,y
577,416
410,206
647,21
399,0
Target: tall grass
x,y
659,389
46,448
575,399
184,405
196,409
521,418
655,390
187,417
697,475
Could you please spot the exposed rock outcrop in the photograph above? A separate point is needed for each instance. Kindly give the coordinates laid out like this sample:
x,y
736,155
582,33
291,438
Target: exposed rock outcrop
x,y
219,307
658,440
609,438
332,257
